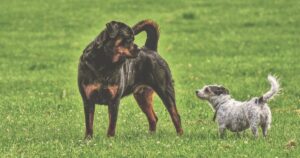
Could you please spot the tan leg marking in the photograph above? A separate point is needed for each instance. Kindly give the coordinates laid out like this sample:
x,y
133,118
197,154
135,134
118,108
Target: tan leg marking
x,y
90,88
144,97
113,89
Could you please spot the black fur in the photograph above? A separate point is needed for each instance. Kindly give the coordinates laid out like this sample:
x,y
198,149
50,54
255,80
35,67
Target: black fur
x,y
97,74
218,90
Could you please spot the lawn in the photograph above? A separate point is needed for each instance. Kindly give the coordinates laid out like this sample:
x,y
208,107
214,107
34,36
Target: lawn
x,y
230,42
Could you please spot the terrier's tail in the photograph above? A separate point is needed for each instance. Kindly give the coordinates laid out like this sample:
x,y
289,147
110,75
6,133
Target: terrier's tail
x,y
275,88
152,31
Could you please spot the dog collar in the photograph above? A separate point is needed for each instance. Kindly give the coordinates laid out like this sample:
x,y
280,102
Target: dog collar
x,y
216,111
215,115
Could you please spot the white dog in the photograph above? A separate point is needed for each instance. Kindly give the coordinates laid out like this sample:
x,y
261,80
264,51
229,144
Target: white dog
x,y
236,115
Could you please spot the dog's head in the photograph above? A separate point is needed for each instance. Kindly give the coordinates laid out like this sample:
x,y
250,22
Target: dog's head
x,y
119,43
210,91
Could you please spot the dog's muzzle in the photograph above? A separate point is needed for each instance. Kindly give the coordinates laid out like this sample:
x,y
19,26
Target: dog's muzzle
x,y
199,94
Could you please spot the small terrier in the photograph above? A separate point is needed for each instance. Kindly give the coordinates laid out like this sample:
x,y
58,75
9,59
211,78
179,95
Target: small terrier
x,y
238,116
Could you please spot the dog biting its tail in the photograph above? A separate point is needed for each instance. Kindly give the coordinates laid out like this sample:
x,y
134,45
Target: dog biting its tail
x,y
275,88
152,31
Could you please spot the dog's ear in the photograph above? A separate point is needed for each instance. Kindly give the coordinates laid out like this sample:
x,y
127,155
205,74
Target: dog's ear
x,y
112,29
218,90
224,90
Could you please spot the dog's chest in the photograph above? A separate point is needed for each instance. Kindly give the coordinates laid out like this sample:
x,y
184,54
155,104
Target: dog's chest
x,y
101,93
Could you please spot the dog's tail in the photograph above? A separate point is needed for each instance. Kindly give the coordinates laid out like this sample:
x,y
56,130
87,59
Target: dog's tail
x,y
152,31
275,88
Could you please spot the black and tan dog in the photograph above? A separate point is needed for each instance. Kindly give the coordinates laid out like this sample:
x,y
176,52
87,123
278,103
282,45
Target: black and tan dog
x,y
112,67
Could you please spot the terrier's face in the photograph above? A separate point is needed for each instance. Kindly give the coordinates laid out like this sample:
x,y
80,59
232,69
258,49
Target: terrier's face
x,y
210,91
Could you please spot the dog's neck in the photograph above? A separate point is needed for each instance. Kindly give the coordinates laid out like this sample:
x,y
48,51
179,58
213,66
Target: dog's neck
x,y
217,101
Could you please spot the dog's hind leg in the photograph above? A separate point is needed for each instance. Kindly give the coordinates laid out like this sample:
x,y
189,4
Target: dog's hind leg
x,y
266,122
254,131
144,98
160,80
222,131
264,128
238,134
167,95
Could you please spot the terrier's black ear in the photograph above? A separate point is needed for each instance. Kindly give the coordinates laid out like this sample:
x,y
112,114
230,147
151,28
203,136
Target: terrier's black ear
x,y
220,90
224,90
112,29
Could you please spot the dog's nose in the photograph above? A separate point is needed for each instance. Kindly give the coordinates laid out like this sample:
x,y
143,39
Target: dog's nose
x,y
196,91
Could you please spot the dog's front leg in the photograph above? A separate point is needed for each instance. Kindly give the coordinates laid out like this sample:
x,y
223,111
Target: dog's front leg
x,y
89,109
254,131
113,115
222,130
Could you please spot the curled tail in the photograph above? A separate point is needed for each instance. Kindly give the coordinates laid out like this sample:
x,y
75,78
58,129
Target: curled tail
x,y
152,31
275,88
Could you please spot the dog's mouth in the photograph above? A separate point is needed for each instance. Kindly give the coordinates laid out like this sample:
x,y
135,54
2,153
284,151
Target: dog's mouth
x,y
134,51
122,53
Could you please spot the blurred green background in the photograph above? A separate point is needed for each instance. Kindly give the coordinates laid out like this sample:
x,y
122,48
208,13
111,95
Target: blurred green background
x,y
230,42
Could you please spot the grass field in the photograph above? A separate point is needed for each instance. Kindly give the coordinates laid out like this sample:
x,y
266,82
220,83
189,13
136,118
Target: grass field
x,y
230,42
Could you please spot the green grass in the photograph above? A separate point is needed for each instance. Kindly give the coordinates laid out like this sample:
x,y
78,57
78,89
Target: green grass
x,y
230,42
